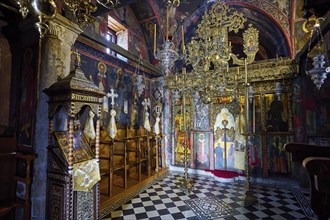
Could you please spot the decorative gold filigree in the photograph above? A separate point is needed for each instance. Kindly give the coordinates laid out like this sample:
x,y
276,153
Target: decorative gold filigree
x,y
265,71
211,45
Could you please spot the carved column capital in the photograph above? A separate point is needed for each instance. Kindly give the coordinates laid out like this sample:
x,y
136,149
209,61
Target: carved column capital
x,y
66,32
64,29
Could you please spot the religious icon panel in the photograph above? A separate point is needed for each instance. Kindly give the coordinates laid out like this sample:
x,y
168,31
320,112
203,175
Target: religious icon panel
x,y
278,162
277,112
202,149
255,154
224,139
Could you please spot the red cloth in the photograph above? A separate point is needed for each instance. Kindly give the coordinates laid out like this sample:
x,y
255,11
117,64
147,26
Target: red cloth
x,y
225,173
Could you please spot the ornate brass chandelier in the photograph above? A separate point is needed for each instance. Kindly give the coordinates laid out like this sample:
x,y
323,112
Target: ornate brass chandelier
x,y
210,51
209,54
79,11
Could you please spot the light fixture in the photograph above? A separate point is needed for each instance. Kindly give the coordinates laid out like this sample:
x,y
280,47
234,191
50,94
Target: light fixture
x,y
167,54
169,3
278,90
210,51
79,11
209,54
250,93
139,80
318,73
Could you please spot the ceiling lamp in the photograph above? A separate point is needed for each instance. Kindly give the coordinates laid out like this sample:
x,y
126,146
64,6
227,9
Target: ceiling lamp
x,y
169,3
167,54
78,10
318,73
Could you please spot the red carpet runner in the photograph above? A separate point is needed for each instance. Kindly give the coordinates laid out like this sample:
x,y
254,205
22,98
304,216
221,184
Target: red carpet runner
x,y
225,173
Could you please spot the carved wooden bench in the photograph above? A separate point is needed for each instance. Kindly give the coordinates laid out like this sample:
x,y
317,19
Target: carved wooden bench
x,y
316,160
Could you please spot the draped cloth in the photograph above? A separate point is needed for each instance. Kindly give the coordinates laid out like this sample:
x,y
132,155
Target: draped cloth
x,y
147,122
89,129
85,175
156,126
112,125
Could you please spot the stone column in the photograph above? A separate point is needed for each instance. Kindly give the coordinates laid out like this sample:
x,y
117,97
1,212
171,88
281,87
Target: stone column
x,y
54,62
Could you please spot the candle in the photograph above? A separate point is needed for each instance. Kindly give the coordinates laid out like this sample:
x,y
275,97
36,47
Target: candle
x,y
176,77
237,72
166,22
245,71
155,38
183,47
254,116
227,67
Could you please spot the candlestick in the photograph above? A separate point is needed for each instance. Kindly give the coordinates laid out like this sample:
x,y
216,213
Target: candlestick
x,y
166,22
155,37
254,115
245,71
237,72
183,47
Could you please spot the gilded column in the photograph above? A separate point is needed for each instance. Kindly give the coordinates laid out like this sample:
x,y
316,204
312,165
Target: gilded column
x,y
54,59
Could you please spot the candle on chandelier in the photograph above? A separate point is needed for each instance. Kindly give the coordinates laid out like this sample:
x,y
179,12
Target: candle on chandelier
x,y
254,116
245,71
155,36
183,47
237,72
167,23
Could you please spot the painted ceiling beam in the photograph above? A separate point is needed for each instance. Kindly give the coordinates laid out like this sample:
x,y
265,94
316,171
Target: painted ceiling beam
x,y
102,10
156,72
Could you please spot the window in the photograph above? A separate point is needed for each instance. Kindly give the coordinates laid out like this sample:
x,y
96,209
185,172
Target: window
x,y
118,34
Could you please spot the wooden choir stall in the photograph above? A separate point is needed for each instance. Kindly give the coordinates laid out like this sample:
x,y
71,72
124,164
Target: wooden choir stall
x,y
316,160
130,162
131,158
93,170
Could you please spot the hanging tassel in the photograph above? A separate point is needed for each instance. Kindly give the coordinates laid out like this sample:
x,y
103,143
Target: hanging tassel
x,y
156,126
89,129
112,125
146,122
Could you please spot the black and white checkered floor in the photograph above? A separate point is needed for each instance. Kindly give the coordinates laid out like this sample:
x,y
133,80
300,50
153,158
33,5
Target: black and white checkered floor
x,y
211,199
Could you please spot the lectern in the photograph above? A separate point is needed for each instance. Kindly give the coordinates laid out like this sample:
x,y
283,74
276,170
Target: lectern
x,y
72,166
